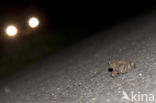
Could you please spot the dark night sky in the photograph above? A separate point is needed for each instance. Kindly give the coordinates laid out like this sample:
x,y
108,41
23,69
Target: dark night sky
x,y
69,17
73,14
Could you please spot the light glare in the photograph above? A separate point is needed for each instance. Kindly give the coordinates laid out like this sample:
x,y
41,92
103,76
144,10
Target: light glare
x,y
33,22
11,30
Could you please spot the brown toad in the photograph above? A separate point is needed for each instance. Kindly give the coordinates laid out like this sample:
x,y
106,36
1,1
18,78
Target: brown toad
x,y
121,66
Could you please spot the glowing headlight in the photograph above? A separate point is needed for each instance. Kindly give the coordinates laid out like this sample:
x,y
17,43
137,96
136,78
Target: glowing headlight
x,y
33,22
11,30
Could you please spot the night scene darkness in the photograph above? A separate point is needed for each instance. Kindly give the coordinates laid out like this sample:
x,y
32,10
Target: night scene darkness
x,y
77,52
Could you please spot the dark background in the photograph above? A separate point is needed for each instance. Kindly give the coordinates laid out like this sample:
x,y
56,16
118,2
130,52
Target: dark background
x,y
90,15
71,15
61,25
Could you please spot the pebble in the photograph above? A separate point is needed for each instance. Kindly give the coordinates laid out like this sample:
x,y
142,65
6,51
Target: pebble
x,y
108,100
140,74
93,99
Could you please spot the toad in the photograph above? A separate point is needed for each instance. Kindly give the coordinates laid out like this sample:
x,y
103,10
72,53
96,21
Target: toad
x,y
121,66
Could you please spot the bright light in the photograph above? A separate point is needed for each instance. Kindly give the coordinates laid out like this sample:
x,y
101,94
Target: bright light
x,y
33,22
11,30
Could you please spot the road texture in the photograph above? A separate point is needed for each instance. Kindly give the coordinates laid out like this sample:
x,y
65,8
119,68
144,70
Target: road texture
x,y
79,74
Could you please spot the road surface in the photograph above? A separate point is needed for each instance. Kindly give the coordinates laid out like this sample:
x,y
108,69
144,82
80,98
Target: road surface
x,y
79,74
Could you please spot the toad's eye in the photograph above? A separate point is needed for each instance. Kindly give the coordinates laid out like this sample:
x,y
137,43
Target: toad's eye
x,y
110,69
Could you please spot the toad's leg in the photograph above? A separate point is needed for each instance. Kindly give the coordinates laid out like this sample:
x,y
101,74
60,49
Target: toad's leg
x,y
121,69
114,73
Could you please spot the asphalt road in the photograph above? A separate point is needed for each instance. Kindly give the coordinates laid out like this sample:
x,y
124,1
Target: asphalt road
x,y
79,74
